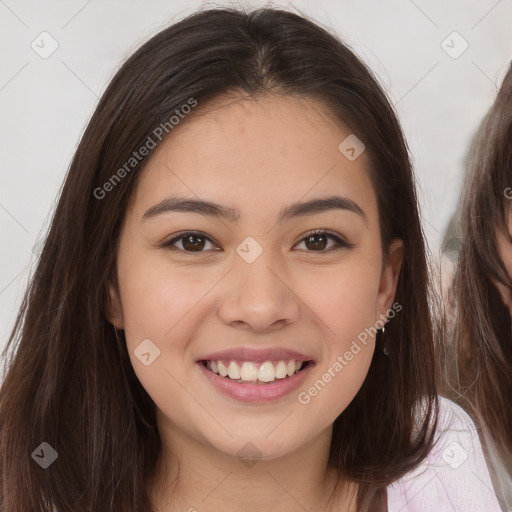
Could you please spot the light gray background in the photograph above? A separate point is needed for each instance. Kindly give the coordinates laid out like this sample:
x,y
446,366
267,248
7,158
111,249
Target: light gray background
x,y
46,103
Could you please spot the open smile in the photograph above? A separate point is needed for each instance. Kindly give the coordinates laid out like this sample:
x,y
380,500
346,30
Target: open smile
x,y
256,379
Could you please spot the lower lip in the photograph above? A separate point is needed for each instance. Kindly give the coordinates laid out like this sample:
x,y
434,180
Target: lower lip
x,y
256,392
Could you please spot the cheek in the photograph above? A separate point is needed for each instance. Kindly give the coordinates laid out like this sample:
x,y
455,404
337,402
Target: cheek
x,y
156,299
160,312
162,306
344,299
505,253
336,384
340,375
345,305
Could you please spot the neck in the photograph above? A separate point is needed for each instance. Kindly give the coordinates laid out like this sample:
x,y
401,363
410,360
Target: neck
x,y
209,480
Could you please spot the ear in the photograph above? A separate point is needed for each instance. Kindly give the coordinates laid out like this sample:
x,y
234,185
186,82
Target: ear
x,y
114,309
389,278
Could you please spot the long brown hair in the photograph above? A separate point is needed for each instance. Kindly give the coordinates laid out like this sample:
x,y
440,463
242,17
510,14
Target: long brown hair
x,y
70,382
480,362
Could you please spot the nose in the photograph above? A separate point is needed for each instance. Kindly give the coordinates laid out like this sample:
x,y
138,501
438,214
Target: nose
x,y
258,297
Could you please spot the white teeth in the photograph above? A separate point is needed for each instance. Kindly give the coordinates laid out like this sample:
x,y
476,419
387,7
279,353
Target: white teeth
x,y
223,371
251,372
267,372
281,370
233,371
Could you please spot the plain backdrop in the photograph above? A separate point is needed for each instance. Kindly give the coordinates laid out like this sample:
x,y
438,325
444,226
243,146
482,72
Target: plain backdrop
x,y
440,62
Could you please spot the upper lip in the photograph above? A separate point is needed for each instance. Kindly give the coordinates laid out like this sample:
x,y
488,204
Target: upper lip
x,y
256,355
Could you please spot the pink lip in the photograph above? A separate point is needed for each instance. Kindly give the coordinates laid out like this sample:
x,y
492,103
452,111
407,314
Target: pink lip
x,y
254,393
256,355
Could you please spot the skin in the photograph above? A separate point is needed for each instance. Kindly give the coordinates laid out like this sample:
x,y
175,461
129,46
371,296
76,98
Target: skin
x,y
257,155
503,246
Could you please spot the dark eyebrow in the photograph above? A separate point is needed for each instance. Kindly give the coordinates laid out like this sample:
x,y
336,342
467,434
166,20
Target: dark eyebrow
x,y
184,204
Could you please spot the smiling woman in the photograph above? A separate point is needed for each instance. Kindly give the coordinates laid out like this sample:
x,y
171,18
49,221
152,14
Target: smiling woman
x,y
268,247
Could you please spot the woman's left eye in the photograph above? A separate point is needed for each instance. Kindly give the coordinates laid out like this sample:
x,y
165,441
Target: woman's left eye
x,y
316,241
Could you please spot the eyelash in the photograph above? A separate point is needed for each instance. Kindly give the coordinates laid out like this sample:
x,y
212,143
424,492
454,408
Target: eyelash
x,y
342,243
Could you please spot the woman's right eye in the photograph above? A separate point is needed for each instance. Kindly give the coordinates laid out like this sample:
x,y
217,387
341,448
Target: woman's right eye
x,y
190,242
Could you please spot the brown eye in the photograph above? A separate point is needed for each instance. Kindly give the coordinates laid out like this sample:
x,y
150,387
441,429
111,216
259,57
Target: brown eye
x,y
315,242
318,241
193,243
190,242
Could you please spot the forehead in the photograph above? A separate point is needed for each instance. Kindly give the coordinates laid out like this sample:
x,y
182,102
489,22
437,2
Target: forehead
x,y
256,152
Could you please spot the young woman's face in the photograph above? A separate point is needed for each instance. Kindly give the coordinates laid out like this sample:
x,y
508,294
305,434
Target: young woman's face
x,y
253,288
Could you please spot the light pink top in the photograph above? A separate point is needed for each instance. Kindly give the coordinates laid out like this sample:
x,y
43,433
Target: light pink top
x,y
454,477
